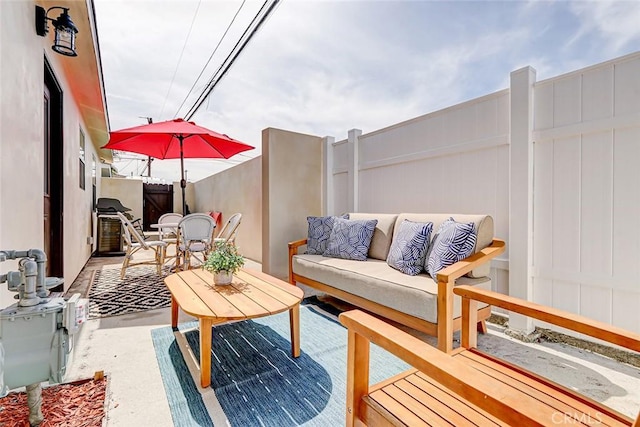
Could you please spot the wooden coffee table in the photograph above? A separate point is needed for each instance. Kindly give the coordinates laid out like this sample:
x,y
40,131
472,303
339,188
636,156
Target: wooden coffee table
x,y
252,294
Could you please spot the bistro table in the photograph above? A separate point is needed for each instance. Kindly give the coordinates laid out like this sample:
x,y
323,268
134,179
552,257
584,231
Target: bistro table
x,y
252,294
166,228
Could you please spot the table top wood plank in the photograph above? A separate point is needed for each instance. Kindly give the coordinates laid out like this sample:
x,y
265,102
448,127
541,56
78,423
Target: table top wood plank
x,y
216,305
216,297
252,294
286,295
261,298
272,281
240,295
190,302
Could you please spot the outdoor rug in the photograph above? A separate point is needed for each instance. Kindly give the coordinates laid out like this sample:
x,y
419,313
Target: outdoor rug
x,y
255,379
140,290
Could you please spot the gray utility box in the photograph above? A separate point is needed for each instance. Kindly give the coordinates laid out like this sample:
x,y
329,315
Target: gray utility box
x,y
36,344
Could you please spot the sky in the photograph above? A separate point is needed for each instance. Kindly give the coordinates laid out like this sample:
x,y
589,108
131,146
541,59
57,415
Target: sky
x,y
325,67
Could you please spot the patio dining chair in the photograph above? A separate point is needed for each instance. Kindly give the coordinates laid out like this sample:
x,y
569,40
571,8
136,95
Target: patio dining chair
x,y
230,229
135,242
195,238
169,235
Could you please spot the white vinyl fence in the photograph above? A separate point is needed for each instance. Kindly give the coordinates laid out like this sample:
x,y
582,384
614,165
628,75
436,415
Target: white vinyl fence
x,y
557,165
586,239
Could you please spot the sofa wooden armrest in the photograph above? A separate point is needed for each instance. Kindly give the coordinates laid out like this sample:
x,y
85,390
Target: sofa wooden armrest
x,y
446,281
465,387
293,250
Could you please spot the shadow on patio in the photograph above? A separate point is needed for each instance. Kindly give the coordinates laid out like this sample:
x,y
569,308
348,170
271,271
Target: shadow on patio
x,y
123,347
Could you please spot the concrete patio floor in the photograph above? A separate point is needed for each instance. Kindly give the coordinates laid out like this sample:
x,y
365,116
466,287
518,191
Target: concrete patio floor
x,y
121,346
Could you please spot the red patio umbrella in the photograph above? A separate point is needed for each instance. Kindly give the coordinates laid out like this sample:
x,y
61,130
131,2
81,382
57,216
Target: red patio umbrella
x,y
175,139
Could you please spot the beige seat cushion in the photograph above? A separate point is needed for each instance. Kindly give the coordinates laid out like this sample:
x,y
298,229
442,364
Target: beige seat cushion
x,y
376,281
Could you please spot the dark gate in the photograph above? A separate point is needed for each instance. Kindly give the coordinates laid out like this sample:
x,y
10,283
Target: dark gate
x,y
157,199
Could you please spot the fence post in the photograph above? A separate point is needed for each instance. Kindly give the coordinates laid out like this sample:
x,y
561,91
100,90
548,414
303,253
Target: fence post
x,y
328,196
353,166
521,194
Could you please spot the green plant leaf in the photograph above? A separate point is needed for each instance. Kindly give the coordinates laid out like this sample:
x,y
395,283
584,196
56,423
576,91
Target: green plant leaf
x,y
224,257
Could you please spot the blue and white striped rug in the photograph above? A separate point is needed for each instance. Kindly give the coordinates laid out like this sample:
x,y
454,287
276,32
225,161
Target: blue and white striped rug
x,y
255,379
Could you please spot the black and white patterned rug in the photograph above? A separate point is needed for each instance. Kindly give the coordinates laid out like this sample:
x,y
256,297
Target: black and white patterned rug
x,y
140,290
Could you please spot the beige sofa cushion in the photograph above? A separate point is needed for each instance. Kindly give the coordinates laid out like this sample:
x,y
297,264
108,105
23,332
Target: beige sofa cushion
x,y
484,227
381,240
376,281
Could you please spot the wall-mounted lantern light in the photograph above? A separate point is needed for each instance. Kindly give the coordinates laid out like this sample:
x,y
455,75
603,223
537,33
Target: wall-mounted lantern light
x,y
65,31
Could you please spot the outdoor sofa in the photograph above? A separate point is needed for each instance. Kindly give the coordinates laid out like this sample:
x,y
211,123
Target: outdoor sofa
x,y
419,301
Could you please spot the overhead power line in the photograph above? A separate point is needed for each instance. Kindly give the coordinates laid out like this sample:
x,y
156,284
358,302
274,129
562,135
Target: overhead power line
x,y
186,40
210,57
233,55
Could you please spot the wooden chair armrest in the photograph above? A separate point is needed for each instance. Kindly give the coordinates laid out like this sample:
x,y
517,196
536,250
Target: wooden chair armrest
x,y
461,378
552,315
464,266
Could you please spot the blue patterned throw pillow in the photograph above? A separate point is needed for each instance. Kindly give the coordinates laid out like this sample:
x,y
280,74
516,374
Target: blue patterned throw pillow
x,y
454,242
350,239
319,229
409,247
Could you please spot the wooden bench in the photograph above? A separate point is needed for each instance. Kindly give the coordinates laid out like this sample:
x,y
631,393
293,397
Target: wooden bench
x,y
467,386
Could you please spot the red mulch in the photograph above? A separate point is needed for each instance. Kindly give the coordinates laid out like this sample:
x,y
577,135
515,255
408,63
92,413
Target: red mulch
x,y
76,404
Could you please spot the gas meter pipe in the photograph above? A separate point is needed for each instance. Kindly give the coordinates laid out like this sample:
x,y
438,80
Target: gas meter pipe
x,y
41,260
34,401
30,272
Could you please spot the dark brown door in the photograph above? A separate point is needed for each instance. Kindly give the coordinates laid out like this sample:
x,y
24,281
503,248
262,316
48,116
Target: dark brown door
x,y
53,174
47,177
157,200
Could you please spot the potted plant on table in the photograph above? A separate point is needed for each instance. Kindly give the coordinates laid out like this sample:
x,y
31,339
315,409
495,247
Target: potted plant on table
x,y
223,261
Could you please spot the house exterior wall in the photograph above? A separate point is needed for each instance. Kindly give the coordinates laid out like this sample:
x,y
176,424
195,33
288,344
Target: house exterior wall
x,y
22,56
237,189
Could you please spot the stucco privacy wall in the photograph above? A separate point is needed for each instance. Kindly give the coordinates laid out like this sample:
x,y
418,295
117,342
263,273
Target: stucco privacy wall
x,y
237,189
128,191
22,56
586,242
452,160
190,197
291,190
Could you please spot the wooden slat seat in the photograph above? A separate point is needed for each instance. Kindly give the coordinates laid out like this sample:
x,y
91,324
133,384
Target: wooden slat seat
x,y
416,400
468,387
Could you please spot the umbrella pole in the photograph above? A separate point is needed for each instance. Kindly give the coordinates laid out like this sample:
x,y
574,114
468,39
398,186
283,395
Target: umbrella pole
x,y
183,183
